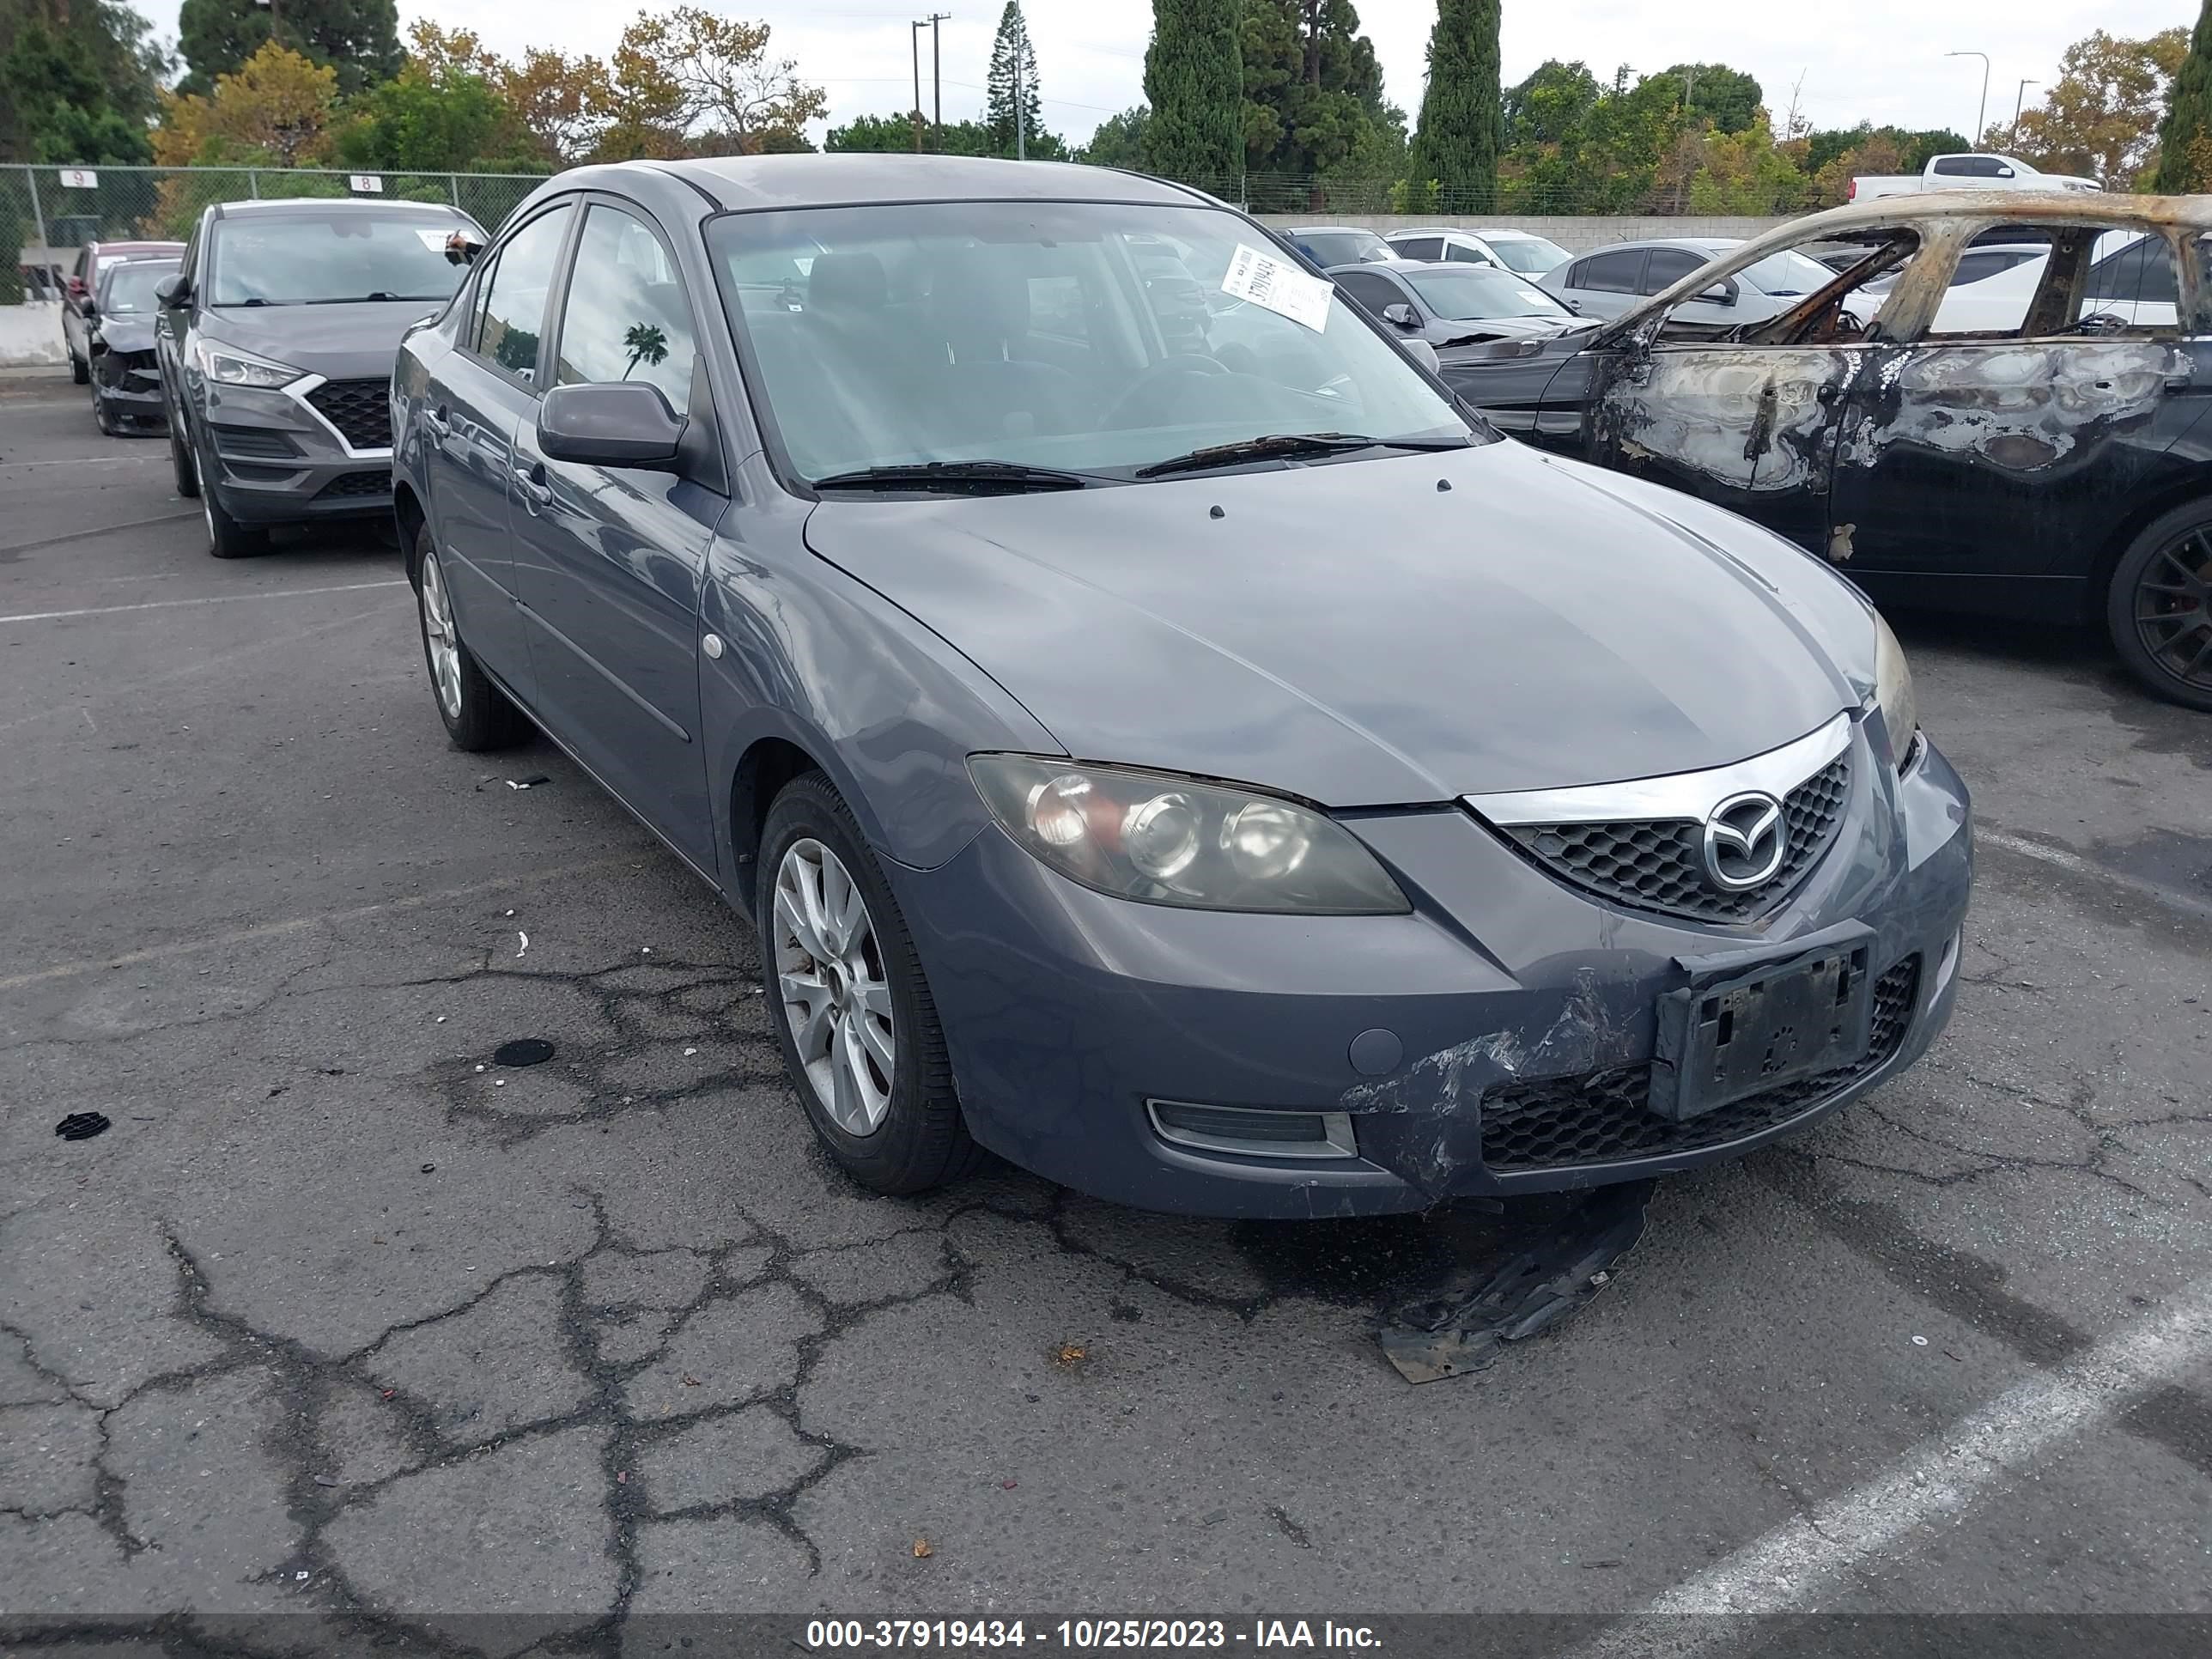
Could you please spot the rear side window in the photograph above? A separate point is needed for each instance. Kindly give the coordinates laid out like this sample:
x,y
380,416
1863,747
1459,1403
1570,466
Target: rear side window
x,y
1609,273
1971,167
515,293
625,317
1667,266
1464,255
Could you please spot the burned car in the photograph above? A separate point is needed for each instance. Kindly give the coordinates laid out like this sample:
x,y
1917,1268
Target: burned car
x,y
2037,454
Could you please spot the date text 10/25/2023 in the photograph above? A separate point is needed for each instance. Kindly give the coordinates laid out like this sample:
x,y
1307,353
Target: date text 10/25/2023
x,y
1086,1635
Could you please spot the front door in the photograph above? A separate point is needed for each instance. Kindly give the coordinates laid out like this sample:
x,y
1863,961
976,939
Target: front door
x,y
611,559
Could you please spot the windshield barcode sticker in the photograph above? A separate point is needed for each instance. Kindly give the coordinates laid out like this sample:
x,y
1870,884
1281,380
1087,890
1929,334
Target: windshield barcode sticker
x,y
1278,285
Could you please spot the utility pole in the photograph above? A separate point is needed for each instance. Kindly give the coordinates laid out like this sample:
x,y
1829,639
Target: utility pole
x,y
1981,113
1021,138
917,87
936,76
2018,98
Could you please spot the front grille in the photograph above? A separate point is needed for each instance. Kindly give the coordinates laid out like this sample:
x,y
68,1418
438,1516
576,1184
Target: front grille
x,y
254,441
360,408
356,483
1655,864
1601,1117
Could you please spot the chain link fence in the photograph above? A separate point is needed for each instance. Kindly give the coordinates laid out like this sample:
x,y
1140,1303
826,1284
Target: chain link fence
x,y
1591,197
60,209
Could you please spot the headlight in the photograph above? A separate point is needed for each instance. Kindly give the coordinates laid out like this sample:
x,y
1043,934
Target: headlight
x,y
1893,692
1167,839
228,365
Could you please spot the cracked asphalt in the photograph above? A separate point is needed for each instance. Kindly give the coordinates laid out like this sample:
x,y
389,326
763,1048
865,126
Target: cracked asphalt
x,y
344,1320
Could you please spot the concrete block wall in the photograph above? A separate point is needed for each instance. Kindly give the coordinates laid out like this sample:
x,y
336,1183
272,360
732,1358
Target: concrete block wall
x,y
1577,234
31,334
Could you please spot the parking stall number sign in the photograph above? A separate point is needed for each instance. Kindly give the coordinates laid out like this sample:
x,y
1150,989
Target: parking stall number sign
x,y
368,182
1278,286
80,179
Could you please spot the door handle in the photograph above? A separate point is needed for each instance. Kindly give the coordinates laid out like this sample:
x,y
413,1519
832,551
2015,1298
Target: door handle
x,y
438,421
535,489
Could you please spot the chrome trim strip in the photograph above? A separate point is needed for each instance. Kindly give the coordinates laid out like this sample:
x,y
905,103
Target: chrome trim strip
x,y
1337,1138
297,390
1677,795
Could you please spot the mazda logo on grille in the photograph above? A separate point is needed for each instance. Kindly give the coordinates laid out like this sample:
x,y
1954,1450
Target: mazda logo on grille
x,y
1743,843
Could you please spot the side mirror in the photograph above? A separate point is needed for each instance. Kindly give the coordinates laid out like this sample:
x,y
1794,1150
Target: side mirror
x,y
173,290
2004,172
609,423
76,287
1720,293
1424,354
1400,315
91,315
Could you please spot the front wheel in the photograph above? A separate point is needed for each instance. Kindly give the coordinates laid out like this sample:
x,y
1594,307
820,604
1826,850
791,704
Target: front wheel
x,y
2159,607
851,1009
181,460
226,537
477,713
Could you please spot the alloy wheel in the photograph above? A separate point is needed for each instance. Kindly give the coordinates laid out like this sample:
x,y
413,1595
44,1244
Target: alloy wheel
x,y
438,634
2173,607
836,999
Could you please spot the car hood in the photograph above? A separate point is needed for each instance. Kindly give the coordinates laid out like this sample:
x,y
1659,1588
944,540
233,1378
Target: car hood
x,y
127,333
1483,330
354,342
1358,635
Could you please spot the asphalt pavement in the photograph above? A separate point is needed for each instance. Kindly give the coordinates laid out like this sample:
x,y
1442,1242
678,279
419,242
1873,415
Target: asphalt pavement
x,y
343,1319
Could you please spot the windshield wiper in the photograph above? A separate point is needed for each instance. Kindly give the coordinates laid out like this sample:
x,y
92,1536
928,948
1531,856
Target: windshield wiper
x,y
967,477
1286,444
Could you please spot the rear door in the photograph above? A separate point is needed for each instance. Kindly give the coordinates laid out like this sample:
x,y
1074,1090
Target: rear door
x,y
2008,452
1603,284
612,559
479,393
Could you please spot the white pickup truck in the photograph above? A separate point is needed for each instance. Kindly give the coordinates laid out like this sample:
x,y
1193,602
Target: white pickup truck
x,y
1974,170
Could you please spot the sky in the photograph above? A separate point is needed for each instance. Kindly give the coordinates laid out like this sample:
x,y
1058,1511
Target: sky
x,y
1879,60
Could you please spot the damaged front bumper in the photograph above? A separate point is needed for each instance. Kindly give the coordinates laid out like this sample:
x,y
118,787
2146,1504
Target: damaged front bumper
x,y
1500,1039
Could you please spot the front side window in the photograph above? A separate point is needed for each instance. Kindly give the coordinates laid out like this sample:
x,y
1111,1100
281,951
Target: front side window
x,y
2141,272
516,289
1371,289
1466,295
625,317
1420,248
331,257
944,332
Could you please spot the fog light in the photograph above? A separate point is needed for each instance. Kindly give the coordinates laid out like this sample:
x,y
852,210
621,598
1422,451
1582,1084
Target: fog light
x,y
1253,1133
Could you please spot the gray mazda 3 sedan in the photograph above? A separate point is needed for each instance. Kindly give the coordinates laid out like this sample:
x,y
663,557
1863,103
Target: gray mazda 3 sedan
x,y
1187,753
275,343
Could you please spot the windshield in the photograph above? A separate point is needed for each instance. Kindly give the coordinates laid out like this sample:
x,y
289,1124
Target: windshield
x,y
1531,255
1469,293
1342,247
1788,273
128,288
302,258
1094,337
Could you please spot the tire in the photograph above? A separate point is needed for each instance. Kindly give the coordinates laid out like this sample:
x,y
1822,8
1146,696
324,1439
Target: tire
x,y
2158,606
226,537
917,1138
100,418
477,714
79,370
187,469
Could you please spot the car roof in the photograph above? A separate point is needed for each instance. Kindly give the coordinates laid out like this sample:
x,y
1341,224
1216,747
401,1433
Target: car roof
x,y
850,180
137,247
1480,233
290,205
1341,230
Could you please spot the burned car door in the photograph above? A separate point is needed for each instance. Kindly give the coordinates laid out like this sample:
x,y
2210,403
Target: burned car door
x,y
1998,454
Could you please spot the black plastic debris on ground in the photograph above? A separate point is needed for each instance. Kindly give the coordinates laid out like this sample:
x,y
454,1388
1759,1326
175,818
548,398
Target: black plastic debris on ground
x,y
81,1126
523,1051
1561,1270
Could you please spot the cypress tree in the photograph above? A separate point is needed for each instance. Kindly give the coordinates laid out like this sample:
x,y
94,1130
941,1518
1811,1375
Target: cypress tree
x,y
1456,143
2184,139
1195,81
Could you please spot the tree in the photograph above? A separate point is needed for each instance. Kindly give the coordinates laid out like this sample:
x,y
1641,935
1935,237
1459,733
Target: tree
x,y
1012,83
1727,98
725,86
1312,92
1455,144
2102,116
428,119
1551,106
359,38
1194,79
1119,140
274,112
2184,139
561,101
77,82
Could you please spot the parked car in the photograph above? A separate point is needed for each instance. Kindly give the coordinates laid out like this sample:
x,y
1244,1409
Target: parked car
x,y
2052,470
2131,283
1453,305
1516,251
1615,280
83,279
1250,836
1339,245
126,376
1970,171
276,342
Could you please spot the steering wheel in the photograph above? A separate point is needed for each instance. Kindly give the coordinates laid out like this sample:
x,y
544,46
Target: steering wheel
x,y
1140,404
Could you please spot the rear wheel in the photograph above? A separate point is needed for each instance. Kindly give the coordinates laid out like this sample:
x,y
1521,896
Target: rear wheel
x,y
2159,607
852,1011
477,713
79,370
